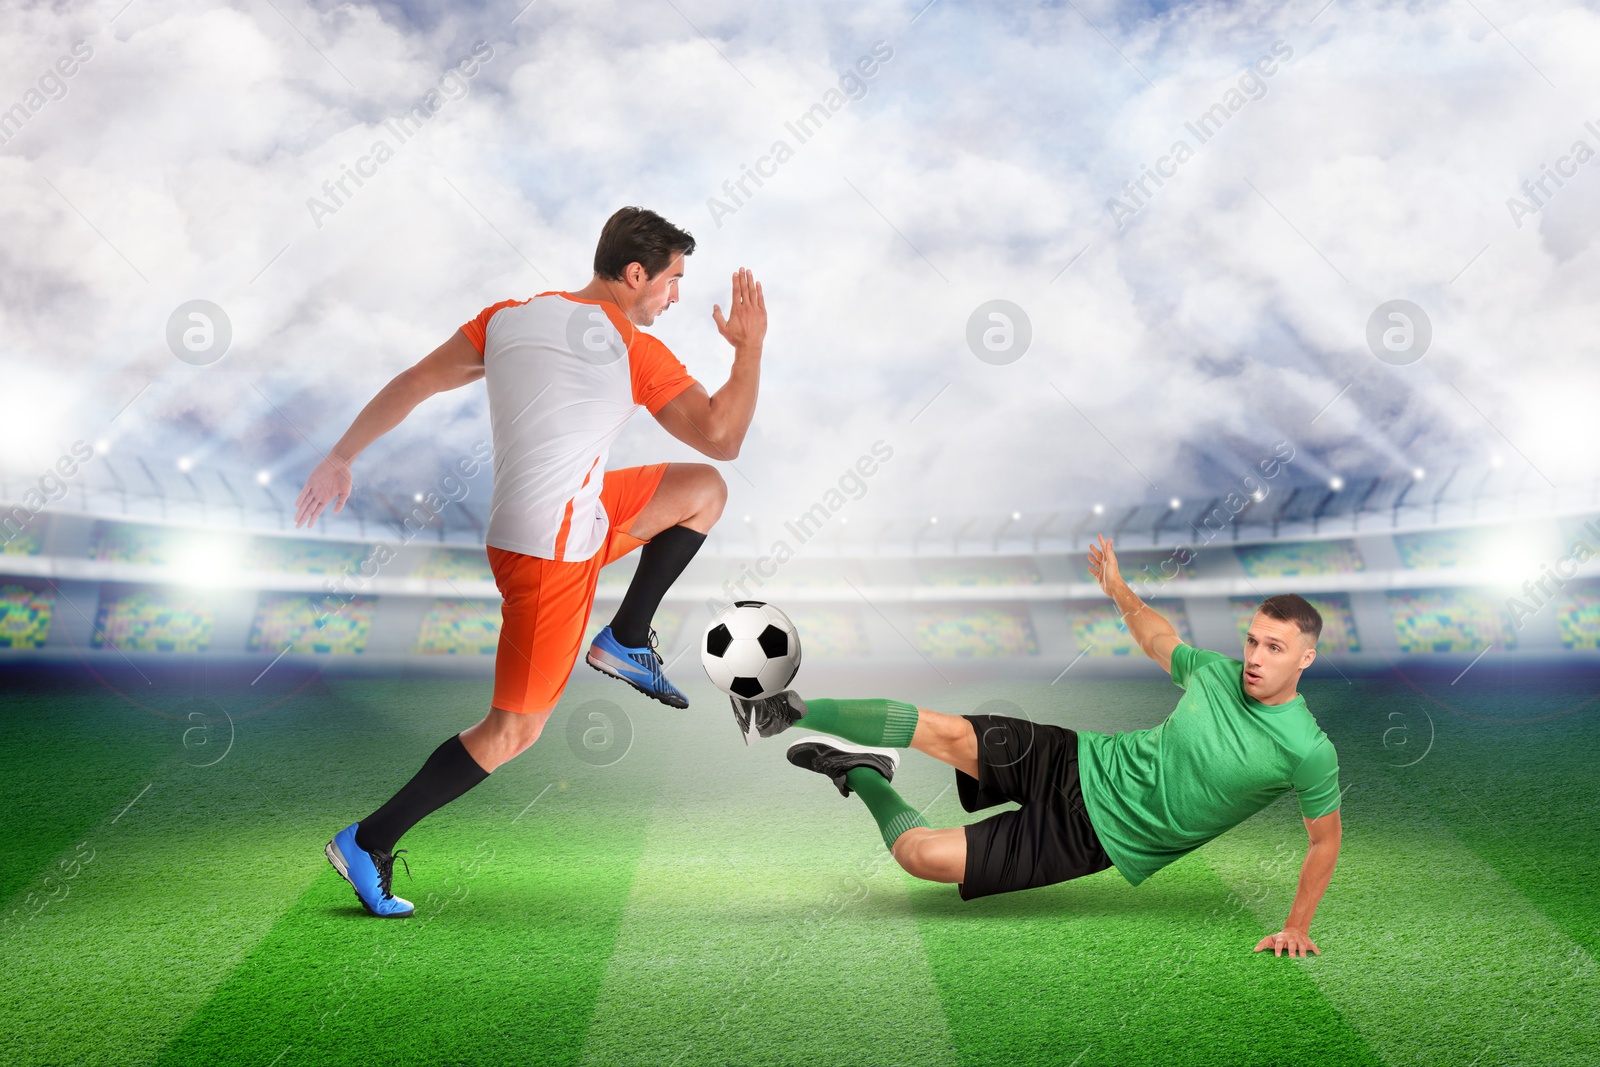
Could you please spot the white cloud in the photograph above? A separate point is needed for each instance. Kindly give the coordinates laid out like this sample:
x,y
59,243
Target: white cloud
x,y
982,156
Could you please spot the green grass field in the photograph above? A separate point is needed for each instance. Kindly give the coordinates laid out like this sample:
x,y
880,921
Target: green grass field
x,y
667,896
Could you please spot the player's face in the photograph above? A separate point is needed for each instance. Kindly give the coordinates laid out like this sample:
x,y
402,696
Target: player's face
x,y
1275,652
656,294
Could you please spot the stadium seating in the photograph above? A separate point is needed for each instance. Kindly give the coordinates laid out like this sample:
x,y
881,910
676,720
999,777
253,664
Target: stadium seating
x,y
28,541
968,632
1338,622
304,556
153,620
311,624
1098,629
456,565
24,616
978,572
1448,620
460,628
1141,565
126,542
1578,616
830,632
1435,549
1299,558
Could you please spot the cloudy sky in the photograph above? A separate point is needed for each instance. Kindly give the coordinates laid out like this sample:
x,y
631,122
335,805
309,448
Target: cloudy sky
x,y
1312,161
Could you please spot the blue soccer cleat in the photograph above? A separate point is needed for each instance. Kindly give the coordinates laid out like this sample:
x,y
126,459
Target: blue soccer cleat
x,y
639,667
370,874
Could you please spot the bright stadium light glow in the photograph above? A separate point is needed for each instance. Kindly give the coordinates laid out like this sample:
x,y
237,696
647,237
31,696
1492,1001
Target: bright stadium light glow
x,y
417,497
1417,474
1016,516
1513,556
1496,460
1259,495
1174,503
102,446
933,520
211,559
263,477
1099,509
747,518
1336,483
185,464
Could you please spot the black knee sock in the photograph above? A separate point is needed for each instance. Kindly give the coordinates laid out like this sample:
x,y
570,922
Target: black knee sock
x,y
448,773
660,563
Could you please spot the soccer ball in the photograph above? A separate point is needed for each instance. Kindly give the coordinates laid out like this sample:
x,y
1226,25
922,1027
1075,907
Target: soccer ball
x,y
750,650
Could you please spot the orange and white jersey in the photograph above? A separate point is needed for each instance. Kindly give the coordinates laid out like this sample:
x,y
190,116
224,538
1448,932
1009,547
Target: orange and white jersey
x,y
564,376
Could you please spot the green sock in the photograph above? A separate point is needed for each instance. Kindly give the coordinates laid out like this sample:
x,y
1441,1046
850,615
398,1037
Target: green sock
x,y
879,723
894,815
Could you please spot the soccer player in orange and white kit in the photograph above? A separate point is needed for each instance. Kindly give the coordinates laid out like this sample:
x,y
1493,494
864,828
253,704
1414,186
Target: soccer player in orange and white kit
x,y
565,372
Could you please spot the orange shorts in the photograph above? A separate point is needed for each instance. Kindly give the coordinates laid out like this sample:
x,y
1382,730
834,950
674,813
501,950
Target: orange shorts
x,y
547,602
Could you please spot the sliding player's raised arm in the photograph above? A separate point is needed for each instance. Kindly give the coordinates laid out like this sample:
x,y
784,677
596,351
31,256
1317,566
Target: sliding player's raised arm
x,y
453,364
715,424
1149,628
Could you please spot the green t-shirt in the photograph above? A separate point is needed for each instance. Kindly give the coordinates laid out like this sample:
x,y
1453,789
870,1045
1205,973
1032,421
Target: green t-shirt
x,y
1221,756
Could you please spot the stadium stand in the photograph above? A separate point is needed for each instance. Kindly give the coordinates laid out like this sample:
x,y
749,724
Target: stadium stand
x,y
1293,559
1098,629
460,628
1141,565
830,632
153,620
126,542
311,624
968,632
1428,550
1338,622
978,572
24,616
1448,620
26,541
1578,616
304,556
456,565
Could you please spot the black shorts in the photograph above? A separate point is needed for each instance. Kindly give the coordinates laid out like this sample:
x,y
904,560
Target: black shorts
x,y
1048,839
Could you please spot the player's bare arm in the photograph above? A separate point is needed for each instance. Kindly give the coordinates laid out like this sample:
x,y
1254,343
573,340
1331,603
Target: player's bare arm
x,y
450,366
1315,873
1150,629
715,424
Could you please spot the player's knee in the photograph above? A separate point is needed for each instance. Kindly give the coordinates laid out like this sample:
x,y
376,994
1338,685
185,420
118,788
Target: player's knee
x,y
711,491
913,851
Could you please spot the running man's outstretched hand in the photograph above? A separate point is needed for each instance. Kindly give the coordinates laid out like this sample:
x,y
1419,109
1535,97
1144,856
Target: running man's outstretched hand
x,y
746,323
329,482
1295,942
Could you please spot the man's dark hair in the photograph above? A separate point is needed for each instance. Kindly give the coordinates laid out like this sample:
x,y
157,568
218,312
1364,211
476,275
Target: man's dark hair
x,y
1292,607
638,235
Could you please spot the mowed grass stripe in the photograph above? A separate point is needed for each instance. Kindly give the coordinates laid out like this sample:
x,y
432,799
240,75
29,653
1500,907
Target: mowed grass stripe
x,y
70,762
154,920
1427,950
1525,796
1096,972
767,925
501,963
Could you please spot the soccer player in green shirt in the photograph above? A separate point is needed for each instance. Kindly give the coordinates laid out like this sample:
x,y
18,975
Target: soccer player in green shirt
x,y
1239,738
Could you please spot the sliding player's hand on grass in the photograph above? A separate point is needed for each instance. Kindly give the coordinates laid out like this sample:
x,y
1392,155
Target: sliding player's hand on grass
x,y
1103,565
330,482
746,323
1294,942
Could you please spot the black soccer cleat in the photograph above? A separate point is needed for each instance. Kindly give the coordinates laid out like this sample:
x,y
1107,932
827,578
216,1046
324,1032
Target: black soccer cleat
x,y
836,758
768,715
